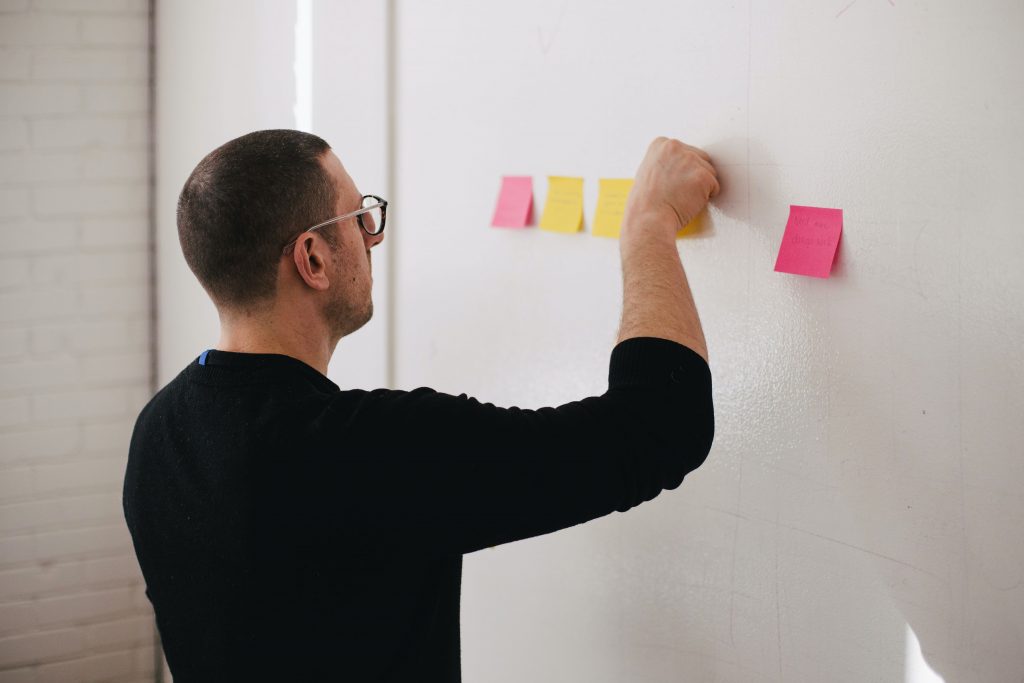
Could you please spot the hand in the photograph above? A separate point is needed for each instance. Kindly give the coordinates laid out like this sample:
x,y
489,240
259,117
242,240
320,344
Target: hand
x,y
673,184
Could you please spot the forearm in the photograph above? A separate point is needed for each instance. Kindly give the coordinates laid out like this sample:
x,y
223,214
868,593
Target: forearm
x,y
656,298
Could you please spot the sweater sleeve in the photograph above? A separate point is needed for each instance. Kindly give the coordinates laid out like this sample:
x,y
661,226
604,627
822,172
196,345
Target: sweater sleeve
x,y
467,475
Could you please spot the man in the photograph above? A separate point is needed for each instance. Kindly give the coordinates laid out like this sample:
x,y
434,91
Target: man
x,y
288,530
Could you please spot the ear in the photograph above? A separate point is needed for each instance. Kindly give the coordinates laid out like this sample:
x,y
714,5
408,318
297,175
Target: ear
x,y
310,257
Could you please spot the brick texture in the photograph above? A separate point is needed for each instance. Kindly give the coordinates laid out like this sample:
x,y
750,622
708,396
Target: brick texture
x,y
75,348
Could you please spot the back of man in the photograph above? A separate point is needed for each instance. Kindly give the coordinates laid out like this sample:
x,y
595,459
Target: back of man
x,y
254,538
288,530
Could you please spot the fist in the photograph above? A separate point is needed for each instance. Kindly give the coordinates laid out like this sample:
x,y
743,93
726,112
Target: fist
x,y
673,184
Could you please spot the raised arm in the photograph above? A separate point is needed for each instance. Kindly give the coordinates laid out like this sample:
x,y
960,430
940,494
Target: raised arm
x,y
458,475
673,184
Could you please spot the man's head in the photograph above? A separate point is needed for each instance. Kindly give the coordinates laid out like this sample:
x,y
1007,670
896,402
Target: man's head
x,y
249,198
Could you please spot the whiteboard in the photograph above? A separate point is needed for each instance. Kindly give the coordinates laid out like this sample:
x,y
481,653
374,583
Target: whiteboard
x,y
859,518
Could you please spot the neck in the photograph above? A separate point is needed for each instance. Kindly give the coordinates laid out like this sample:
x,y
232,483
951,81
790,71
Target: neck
x,y
303,337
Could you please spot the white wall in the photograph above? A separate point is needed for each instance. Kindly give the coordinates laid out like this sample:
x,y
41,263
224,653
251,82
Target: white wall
x,y
863,493
74,336
222,70
868,468
225,69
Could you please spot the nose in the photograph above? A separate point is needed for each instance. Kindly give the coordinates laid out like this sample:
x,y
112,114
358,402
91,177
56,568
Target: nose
x,y
373,240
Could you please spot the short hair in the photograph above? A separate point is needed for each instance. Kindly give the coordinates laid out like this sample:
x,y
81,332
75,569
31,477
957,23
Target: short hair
x,y
242,204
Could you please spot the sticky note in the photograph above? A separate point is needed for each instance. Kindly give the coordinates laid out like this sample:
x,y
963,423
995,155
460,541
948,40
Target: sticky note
x,y
563,209
611,204
694,227
515,203
810,241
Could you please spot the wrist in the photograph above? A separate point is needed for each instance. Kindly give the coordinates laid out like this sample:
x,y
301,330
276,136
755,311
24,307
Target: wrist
x,y
651,223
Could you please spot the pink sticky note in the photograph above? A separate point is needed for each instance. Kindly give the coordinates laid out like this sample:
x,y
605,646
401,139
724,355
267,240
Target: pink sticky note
x,y
515,203
810,241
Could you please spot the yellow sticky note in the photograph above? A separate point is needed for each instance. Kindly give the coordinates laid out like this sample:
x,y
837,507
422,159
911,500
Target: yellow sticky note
x,y
692,228
563,209
611,204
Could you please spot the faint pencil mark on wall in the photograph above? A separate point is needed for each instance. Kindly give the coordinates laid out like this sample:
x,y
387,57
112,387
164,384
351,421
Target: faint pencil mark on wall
x,y
545,44
854,2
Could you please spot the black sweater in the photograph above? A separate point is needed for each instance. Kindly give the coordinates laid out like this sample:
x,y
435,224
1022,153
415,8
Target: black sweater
x,y
288,530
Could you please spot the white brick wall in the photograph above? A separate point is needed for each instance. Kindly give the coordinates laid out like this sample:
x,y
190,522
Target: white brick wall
x,y
75,346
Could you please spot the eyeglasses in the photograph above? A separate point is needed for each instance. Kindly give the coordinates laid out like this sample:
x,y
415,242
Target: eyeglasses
x,y
371,218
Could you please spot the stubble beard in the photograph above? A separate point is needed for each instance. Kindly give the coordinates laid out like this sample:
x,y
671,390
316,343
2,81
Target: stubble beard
x,y
346,316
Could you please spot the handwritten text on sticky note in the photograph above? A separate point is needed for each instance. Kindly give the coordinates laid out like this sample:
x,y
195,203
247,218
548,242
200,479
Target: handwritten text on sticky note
x,y
563,209
515,202
612,194
810,241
